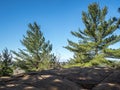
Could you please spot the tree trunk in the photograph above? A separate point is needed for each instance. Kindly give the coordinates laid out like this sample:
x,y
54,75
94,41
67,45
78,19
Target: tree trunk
x,y
96,51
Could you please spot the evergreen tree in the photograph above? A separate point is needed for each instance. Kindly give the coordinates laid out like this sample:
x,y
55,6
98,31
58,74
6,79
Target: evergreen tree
x,y
97,36
5,62
37,51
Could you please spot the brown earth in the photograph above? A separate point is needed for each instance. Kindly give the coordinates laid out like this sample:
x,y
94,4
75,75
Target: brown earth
x,y
92,78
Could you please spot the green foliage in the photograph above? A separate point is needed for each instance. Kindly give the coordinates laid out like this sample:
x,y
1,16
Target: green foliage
x,y
5,63
73,65
99,60
37,51
97,36
113,53
22,64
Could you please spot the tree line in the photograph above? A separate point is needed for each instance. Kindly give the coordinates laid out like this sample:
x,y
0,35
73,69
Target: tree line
x,y
92,47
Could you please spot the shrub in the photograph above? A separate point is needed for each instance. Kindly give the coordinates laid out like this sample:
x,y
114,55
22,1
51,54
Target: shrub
x,y
6,62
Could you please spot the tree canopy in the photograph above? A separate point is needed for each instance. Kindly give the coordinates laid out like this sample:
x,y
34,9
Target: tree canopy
x,y
37,51
98,35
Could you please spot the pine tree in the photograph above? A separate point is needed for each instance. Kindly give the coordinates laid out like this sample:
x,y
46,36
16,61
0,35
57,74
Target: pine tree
x,y
37,51
5,62
98,34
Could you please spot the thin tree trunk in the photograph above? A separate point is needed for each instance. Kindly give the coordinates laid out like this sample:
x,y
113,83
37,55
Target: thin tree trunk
x,y
96,51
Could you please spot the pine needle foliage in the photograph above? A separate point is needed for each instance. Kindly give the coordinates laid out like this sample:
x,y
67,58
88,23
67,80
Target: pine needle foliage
x,y
37,51
98,35
5,63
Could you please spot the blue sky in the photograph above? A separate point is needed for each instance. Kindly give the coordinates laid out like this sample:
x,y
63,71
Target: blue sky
x,y
55,17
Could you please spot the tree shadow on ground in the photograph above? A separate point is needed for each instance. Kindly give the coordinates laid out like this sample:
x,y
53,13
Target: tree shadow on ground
x,y
38,82
65,79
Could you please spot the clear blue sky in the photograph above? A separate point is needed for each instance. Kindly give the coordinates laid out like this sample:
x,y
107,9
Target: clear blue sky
x,y
56,18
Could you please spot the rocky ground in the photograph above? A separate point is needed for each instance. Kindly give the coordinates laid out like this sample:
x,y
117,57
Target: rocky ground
x,y
94,78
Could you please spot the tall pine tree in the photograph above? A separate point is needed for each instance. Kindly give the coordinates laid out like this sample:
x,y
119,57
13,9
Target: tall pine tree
x,y
37,51
97,36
